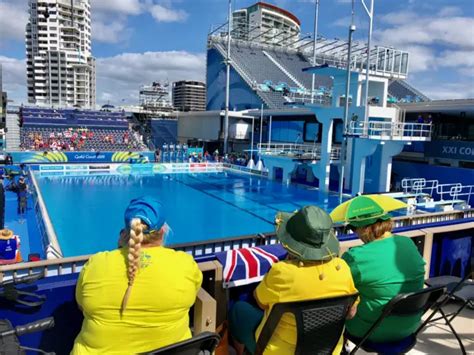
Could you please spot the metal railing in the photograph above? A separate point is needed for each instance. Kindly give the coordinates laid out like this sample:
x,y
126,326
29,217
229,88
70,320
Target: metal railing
x,y
455,192
391,130
419,186
450,193
307,151
48,234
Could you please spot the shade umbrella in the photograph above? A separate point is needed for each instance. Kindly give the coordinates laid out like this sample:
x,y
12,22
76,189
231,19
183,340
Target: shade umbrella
x,y
366,207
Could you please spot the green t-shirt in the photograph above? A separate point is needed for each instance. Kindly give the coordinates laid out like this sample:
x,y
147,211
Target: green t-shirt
x,y
381,270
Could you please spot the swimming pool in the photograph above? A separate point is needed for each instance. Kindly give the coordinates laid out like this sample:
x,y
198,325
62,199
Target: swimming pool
x,y
87,211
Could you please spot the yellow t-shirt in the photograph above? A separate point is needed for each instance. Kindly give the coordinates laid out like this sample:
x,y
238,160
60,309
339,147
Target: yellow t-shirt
x,y
165,288
287,281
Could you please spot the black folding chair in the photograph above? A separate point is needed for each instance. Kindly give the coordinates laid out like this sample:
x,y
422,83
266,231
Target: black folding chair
x,y
202,344
403,305
457,289
319,324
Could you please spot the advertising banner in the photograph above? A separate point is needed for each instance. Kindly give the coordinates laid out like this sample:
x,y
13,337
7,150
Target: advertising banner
x,y
81,157
458,150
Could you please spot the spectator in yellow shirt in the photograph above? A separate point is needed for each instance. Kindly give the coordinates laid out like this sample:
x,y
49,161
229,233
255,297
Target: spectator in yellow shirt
x,y
136,298
312,270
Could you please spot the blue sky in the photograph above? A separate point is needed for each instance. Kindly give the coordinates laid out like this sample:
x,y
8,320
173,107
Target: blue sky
x,y
137,41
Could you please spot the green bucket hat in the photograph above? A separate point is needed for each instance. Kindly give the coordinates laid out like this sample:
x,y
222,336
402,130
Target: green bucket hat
x,y
308,234
364,211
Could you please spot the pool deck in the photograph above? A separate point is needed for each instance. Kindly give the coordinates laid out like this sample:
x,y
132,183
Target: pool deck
x,y
24,226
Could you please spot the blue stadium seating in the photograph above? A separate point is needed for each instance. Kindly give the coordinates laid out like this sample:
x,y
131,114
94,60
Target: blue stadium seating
x,y
262,74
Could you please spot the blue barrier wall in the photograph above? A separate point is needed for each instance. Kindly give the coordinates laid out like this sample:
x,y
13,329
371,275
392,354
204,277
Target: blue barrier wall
x,y
164,131
81,157
242,97
460,150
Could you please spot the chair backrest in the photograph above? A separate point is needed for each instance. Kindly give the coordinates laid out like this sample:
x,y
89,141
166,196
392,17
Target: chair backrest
x,y
319,323
407,304
202,344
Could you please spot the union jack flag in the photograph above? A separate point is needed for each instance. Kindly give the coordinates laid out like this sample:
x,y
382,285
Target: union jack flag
x,y
248,265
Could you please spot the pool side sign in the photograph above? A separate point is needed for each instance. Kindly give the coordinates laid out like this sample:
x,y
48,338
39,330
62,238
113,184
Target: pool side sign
x,y
450,150
82,157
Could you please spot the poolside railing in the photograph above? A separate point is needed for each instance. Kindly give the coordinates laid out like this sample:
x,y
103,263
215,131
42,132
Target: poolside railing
x,y
206,249
48,234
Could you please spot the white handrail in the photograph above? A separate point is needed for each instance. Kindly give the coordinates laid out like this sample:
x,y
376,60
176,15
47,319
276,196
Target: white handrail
x,y
53,249
312,151
408,131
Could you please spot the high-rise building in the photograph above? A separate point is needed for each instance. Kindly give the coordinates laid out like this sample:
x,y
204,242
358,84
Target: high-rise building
x,y
266,23
59,63
189,95
155,98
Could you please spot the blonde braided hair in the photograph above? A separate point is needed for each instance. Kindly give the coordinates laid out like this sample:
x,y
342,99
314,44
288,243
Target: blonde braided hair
x,y
134,246
135,237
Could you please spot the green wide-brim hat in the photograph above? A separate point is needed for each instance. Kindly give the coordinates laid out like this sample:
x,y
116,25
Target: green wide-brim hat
x,y
308,234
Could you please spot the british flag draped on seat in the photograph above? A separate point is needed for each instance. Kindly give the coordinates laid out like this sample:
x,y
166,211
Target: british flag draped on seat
x,y
248,265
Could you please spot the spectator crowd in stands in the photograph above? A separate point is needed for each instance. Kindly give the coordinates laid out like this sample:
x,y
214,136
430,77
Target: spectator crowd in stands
x,y
73,139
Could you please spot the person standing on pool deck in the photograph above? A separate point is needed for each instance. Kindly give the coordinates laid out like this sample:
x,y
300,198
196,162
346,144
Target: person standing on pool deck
x,y
2,204
21,190
137,298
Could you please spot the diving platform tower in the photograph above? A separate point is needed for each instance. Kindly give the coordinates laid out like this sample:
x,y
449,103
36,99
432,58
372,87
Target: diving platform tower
x,y
375,132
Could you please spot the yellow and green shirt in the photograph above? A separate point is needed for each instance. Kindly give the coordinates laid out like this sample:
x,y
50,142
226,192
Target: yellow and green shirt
x,y
287,281
165,288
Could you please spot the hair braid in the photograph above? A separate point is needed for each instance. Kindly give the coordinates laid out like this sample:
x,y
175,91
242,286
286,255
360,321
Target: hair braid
x,y
134,246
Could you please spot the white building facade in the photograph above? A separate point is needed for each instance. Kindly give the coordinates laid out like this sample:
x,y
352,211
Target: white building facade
x,y
60,65
266,23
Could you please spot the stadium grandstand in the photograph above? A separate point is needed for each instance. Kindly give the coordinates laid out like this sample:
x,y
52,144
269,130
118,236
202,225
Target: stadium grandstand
x,y
66,129
270,74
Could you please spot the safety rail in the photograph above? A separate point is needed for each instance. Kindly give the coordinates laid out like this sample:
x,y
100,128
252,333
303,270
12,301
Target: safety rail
x,y
391,130
450,192
308,98
206,249
48,234
309,151
455,191
419,186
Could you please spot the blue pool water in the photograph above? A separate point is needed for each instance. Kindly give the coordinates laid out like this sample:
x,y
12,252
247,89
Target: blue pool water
x,y
87,211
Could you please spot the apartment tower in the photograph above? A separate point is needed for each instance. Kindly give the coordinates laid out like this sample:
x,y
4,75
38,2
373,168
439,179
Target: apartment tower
x,y
60,65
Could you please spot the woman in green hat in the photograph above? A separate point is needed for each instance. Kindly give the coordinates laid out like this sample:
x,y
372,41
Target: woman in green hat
x,y
312,270
384,266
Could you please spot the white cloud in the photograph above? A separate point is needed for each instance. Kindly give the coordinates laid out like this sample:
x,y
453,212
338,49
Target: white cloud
x,y
407,28
422,58
13,19
458,90
121,76
14,78
166,14
455,59
450,11
129,7
114,31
